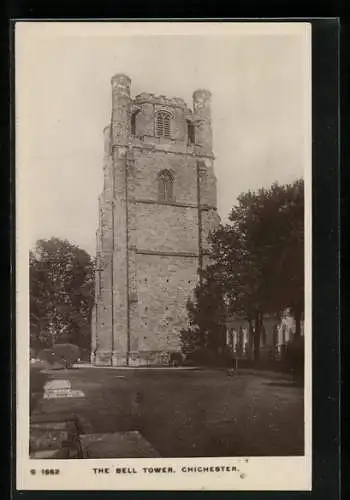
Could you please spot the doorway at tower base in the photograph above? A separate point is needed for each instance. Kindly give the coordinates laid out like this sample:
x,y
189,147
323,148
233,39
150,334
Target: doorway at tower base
x,y
135,358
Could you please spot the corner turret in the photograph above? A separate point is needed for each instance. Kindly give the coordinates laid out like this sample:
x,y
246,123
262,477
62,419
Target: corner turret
x,y
120,109
202,111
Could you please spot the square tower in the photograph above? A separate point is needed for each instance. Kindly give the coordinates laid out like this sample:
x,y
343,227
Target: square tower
x,y
157,208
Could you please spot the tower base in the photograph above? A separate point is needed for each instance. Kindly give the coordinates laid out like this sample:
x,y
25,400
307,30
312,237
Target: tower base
x,y
133,358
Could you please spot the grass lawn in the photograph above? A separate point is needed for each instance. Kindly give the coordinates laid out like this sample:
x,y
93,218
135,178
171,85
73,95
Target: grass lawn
x,y
189,413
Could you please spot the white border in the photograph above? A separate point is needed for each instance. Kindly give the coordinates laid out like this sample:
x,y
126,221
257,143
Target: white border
x,y
272,473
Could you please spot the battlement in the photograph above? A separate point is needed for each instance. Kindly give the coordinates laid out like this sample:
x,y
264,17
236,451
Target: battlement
x,y
148,97
143,116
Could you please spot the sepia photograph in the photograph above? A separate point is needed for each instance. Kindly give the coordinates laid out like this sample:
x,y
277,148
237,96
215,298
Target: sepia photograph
x,y
163,233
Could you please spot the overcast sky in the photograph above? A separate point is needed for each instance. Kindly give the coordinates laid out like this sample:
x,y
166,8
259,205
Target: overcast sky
x,y
260,109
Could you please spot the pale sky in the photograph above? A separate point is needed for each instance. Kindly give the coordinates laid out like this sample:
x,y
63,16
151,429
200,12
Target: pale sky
x,y
260,109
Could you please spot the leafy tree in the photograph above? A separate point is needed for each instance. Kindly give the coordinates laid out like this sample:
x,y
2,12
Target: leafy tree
x,y
258,258
61,293
207,314
262,252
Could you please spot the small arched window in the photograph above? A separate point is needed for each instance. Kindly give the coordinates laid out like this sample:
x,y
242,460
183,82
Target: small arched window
x,y
133,123
190,133
165,186
163,124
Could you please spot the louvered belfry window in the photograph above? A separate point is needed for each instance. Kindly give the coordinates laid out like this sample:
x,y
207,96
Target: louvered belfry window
x,y
163,124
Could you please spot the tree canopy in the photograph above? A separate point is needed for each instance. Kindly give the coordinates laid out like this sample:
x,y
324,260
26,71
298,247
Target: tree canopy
x,y
258,257
61,293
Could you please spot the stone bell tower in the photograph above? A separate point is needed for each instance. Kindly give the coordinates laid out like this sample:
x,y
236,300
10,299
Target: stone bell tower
x,y
157,207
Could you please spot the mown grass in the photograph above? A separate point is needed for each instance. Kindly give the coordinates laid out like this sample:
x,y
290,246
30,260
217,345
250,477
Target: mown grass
x,y
190,413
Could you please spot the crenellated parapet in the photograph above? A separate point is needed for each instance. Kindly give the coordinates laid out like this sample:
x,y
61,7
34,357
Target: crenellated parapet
x,y
162,100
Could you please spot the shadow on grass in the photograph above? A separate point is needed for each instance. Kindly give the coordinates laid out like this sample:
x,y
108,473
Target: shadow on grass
x,y
288,384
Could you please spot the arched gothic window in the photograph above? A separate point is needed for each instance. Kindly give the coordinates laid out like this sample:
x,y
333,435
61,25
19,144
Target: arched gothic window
x,y
163,124
166,186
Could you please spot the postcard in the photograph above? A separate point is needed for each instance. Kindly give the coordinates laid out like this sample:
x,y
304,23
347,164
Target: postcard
x,y
163,255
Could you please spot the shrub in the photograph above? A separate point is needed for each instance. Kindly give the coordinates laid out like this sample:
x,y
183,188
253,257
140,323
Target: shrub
x,y
85,355
37,381
209,357
176,358
46,355
191,341
65,354
294,357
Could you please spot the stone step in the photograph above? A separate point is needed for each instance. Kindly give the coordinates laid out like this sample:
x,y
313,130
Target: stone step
x,y
129,444
51,454
54,439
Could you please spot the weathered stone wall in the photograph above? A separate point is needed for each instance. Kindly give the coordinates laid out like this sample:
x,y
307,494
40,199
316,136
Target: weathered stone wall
x,y
148,164
210,221
144,120
207,183
164,284
166,228
146,116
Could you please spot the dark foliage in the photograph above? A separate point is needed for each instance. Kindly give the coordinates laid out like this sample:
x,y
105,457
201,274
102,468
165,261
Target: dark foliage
x,y
257,267
61,294
64,354
294,357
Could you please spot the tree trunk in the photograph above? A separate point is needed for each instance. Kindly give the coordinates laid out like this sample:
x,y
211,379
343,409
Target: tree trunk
x,y
51,334
257,333
297,317
251,339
